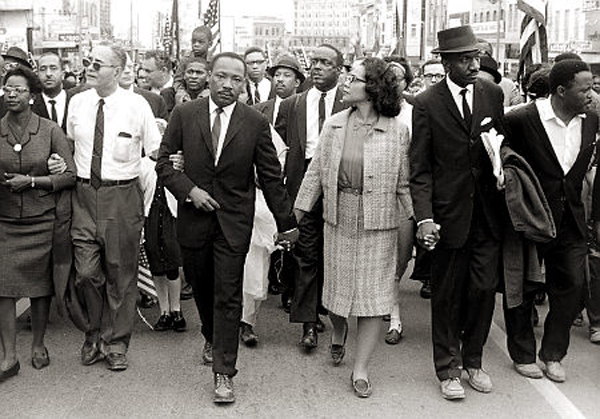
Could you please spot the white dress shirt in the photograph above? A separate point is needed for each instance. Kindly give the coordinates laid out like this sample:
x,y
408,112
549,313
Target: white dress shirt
x,y
565,139
264,89
455,89
225,118
312,117
123,113
276,106
60,105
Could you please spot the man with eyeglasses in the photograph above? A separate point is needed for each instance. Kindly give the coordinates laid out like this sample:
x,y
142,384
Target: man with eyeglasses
x,y
433,72
259,86
457,205
109,127
299,123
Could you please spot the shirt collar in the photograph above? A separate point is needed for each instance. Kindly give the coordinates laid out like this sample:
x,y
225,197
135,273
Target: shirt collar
x,y
455,89
108,100
227,110
318,92
547,112
57,98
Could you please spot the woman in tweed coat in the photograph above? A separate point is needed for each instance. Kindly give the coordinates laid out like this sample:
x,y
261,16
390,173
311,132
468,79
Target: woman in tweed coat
x,y
27,214
361,168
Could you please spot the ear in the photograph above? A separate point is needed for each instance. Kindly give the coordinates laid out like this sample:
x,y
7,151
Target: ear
x,y
297,83
560,90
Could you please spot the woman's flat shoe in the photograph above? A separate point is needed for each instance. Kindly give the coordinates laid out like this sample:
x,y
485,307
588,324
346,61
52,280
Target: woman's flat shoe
x,y
40,360
11,372
362,388
393,336
338,351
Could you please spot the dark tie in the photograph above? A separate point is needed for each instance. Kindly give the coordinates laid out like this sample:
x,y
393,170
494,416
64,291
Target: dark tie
x,y
322,111
256,94
53,110
96,172
466,110
216,131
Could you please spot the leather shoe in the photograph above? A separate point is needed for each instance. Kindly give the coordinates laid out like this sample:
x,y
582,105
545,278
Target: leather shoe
x,y
247,335
479,380
91,353
164,323
11,372
116,361
40,360
362,388
555,371
338,351
452,389
393,336
223,392
207,355
578,322
529,370
186,292
309,337
426,290
179,324
595,336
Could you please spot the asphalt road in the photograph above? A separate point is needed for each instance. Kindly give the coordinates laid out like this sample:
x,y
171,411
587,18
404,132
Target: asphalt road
x,y
166,377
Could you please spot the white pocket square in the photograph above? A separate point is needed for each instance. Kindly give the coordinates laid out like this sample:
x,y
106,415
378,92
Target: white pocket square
x,y
486,121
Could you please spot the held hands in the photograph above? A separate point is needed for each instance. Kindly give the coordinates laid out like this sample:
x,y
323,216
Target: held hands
x,y
287,239
56,164
202,200
428,234
17,182
177,160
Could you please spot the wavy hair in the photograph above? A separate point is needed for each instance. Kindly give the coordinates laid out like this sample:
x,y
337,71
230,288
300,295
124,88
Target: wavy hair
x,y
33,82
381,86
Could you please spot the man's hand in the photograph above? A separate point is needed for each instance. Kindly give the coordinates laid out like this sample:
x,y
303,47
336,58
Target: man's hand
x,y
428,234
288,239
17,182
202,200
177,160
56,164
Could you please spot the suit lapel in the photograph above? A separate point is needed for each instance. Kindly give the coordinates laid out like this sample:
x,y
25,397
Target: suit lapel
x,y
235,124
448,100
300,111
478,106
536,123
203,124
338,105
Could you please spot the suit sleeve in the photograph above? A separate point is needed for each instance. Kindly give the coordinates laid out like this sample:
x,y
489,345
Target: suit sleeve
x,y
403,189
60,145
420,156
162,111
178,183
311,187
282,120
270,179
596,188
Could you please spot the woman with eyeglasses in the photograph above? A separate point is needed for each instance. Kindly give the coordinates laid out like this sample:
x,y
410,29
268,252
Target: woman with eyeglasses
x,y
27,214
361,169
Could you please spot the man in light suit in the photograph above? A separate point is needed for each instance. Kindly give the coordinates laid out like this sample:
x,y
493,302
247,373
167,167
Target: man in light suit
x,y
299,124
224,141
557,138
453,187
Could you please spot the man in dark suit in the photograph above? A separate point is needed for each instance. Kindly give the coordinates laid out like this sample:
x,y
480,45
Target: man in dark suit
x,y
53,102
259,87
456,207
557,138
224,141
299,123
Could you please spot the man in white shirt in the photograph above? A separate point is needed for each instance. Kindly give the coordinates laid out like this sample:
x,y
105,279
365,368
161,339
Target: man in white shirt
x,y
109,127
259,87
557,138
53,102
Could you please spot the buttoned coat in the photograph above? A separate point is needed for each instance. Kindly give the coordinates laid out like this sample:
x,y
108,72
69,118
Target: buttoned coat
x,y
385,173
40,109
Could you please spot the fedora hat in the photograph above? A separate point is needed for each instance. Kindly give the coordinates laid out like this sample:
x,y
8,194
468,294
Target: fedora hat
x,y
456,40
287,62
17,54
489,65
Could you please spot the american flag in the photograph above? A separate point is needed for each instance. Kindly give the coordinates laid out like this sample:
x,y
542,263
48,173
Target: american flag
x,y
212,20
534,40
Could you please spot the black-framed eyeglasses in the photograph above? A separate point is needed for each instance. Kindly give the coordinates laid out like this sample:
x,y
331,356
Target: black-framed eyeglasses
x,y
353,77
437,77
14,89
96,66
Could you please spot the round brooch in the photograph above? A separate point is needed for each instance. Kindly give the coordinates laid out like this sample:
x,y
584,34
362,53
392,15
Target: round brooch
x,y
18,148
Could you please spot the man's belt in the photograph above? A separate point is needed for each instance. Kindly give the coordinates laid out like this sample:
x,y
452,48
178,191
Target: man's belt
x,y
108,182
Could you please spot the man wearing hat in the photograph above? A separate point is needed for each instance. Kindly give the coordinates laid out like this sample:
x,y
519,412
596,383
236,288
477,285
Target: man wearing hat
x,y
456,206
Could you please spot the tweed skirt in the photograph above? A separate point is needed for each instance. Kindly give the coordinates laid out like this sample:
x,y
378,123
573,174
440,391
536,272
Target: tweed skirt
x,y
360,265
26,256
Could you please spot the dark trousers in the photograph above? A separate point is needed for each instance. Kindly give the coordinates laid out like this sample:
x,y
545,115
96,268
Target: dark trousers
x,y
463,282
564,258
591,291
215,273
105,230
308,277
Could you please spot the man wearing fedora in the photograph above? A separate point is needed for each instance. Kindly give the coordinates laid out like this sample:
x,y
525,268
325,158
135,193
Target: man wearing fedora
x,y
456,206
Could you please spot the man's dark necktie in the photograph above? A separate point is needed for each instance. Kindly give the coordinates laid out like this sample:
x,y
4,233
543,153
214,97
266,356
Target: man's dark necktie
x,y
96,172
216,131
54,116
322,111
466,110
256,94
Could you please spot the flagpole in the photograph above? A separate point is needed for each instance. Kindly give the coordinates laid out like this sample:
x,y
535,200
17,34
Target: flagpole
x,y
220,33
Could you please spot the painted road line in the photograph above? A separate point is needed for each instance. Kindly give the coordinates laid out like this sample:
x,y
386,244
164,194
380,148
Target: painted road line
x,y
547,389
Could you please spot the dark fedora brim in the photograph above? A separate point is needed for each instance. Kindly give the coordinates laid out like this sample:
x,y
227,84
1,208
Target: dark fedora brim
x,y
459,50
271,71
17,59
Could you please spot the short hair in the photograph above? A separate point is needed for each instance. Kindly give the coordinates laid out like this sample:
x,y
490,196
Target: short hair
x,y
529,71
50,54
566,56
488,48
538,85
33,82
193,59
338,54
433,61
252,50
117,51
228,55
381,86
161,59
204,30
563,73
408,74
69,74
